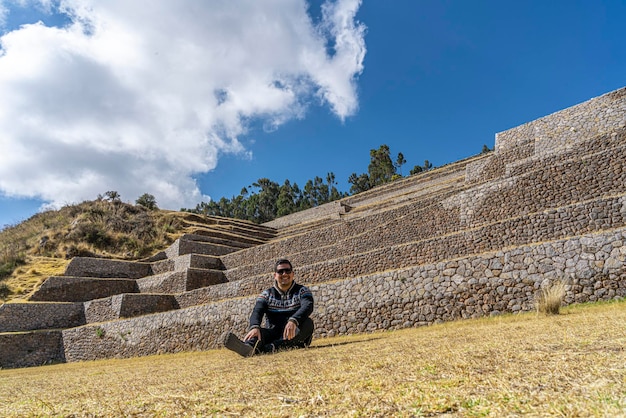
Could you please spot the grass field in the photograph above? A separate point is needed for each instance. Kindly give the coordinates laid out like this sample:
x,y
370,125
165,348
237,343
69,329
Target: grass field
x,y
567,365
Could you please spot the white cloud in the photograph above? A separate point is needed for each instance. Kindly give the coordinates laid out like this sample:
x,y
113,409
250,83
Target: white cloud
x,y
139,96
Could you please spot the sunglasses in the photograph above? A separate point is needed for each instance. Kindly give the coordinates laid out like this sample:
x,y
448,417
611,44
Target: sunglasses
x,y
284,271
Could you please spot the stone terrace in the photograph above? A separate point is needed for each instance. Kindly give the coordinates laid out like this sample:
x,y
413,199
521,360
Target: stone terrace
x,y
95,290
476,237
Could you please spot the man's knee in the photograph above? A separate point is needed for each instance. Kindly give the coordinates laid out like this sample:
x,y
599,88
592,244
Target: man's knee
x,y
306,332
307,327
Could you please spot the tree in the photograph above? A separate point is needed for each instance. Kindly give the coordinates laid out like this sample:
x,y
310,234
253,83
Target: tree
x,y
238,206
427,165
266,202
113,196
286,202
224,208
381,168
308,196
147,201
359,183
334,193
400,161
417,169
485,149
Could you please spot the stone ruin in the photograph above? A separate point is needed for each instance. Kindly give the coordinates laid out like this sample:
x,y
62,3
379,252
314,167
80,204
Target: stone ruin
x,y
473,238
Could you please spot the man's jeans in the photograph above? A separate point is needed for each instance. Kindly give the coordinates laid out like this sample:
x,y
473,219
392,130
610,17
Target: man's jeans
x,y
272,338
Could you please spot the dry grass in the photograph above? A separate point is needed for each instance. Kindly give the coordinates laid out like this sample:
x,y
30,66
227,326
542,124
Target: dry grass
x,y
93,228
549,299
30,276
571,365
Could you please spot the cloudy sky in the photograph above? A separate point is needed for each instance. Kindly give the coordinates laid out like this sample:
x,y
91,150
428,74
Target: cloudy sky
x,y
190,100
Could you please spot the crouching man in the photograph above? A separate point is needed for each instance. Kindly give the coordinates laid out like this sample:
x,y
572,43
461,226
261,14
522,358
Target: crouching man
x,y
286,306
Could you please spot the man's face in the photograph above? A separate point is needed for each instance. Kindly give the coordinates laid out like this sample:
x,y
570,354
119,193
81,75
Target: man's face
x,y
283,276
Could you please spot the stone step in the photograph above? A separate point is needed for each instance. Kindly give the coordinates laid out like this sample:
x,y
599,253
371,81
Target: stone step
x,y
362,220
223,222
439,193
242,228
418,299
184,246
369,253
305,227
585,150
262,232
105,268
127,305
183,262
180,281
31,348
486,206
352,235
16,317
211,239
393,299
229,235
81,289
224,291
415,182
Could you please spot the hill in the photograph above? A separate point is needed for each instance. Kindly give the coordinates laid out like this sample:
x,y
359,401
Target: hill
x,y
43,245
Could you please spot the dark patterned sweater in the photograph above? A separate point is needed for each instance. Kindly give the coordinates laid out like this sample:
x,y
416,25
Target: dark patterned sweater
x,y
279,307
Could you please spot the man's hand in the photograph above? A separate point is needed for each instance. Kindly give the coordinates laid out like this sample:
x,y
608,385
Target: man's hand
x,y
290,330
254,332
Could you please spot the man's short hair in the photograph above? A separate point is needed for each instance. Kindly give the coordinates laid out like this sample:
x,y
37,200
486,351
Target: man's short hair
x,y
282,261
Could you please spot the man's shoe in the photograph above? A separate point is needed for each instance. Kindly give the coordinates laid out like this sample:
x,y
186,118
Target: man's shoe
x,y
235,344
308,341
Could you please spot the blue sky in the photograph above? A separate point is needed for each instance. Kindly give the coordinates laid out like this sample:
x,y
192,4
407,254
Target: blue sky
x,y
432,79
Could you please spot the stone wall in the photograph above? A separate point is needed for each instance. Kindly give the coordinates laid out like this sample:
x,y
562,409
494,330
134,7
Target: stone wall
x,y
539,226
127,305
576,192
31,349
104,268
313,267
81,289
566,127
593,266
195,328
476,238
30,316
328,210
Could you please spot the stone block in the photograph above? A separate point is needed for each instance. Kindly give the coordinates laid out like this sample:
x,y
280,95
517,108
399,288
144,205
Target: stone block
x,y
184,246
104,268
127,305
81,289
29,316
180,281
33,348
183,262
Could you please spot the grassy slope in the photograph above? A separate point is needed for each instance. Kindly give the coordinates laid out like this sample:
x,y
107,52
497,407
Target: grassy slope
x,y
572,364
42,245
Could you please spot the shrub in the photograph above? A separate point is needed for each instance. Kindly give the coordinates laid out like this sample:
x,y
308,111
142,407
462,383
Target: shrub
x,y
4,291
9,263
550,298
79,250
147,200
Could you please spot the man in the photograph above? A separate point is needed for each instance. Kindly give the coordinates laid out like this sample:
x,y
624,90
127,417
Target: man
x,y
286,307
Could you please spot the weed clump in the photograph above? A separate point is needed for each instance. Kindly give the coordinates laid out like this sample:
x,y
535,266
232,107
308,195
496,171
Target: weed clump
x,y
549,299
